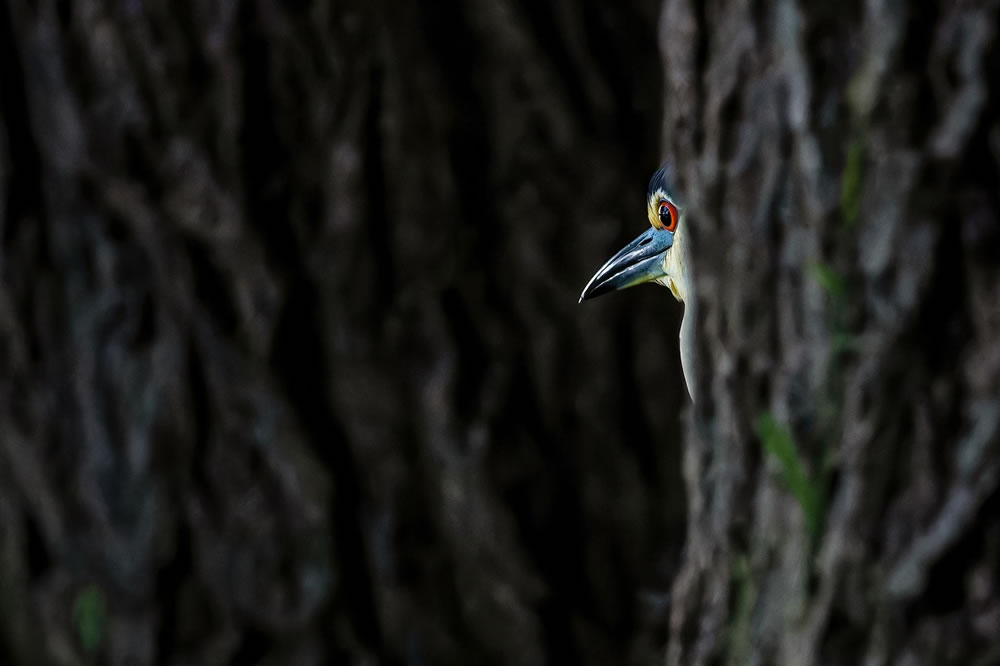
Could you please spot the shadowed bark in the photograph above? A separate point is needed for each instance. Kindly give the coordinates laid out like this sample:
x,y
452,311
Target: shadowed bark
x,y
293,368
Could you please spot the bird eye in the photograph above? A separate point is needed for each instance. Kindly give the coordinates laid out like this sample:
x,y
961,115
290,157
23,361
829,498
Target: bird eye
x,y
668,215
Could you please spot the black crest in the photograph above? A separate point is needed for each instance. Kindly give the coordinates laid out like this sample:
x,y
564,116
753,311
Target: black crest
x,y
662,179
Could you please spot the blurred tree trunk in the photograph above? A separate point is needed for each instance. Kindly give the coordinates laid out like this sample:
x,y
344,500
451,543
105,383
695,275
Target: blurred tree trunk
x,y
840,166
291,364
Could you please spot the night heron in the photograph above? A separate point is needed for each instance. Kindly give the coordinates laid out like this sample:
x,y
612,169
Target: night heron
x,y
658,255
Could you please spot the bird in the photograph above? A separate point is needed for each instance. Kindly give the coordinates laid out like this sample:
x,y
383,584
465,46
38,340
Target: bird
x,y
658,255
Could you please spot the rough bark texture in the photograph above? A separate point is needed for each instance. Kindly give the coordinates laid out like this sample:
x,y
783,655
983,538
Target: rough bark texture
x,y
842,462
292,369
292,364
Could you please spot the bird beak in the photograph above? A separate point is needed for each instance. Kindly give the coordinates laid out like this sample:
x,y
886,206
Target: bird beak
x,y
639,261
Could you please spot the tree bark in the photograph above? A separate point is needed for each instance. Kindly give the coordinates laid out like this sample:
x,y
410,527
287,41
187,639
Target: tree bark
x,y
293,368
841,464
293,372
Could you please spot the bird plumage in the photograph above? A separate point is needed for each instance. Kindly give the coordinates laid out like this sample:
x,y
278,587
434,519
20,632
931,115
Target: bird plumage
x,y
660,255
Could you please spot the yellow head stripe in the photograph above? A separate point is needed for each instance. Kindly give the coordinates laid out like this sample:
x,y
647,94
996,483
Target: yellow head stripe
x,y
653,208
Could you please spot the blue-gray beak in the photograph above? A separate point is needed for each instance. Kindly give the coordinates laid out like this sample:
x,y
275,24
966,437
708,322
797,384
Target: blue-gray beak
x,y
639,261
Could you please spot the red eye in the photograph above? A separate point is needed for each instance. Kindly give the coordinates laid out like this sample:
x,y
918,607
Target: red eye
x,y
668,215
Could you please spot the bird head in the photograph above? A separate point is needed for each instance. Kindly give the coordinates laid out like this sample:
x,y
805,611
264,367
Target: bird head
x,y
655,256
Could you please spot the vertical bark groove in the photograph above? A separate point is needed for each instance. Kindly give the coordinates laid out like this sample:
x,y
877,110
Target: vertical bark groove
x,y
829,192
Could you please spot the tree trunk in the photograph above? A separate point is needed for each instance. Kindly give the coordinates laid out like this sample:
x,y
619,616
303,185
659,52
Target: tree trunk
x,y
842,461
293,372
293,367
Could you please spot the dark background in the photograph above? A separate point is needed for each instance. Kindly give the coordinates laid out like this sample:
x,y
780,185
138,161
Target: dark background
x,y
292,369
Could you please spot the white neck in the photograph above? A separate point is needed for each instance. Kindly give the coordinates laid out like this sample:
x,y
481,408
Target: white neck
x,y
678,279
678,264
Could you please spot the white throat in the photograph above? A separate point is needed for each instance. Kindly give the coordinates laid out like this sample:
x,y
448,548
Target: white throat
x,y
675,265
678,280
